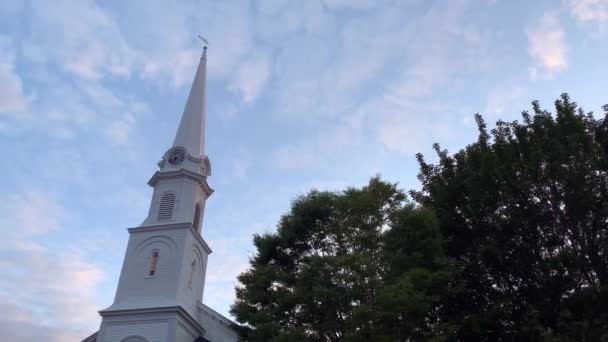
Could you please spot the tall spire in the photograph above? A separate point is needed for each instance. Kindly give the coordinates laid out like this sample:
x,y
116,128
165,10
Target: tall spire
x,y
191,131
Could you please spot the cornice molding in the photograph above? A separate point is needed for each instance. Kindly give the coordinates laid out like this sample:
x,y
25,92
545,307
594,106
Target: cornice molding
x,y
197,177
200,179
155,310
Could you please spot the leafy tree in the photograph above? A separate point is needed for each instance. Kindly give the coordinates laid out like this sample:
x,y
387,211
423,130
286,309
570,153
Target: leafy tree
x,y
357,265
508,242
524,214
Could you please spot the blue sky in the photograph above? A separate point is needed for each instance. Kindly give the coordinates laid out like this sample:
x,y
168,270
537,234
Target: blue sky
x,y
301,94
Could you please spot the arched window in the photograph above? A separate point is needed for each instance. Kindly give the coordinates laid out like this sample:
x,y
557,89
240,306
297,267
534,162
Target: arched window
x,y
165,209
197,216
192,270
153,262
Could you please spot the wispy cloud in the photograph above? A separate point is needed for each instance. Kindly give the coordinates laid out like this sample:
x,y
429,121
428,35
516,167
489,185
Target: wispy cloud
x,y
501,97
43,289
12,97
399,114
350,4
251,76
589,10
240,168
547,45
81,38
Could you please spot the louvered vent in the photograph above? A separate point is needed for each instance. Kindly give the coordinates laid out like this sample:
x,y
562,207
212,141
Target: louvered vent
x,y
197,216
167,204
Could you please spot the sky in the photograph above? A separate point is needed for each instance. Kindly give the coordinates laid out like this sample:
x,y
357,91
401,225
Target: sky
x,y
301,94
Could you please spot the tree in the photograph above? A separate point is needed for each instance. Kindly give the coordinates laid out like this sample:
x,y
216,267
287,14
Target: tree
x,y
524,213
356,265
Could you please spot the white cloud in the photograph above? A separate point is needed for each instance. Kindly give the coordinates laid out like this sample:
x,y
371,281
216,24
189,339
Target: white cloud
x,y
51,293
101,95
22,325
230,33
80,37
25,210
410,127
240,168
351,4
223,268
589,10
546,44
91,42
54,292
251,76
329,143
119,130
501,98
400,113
321,74
421,79
12,98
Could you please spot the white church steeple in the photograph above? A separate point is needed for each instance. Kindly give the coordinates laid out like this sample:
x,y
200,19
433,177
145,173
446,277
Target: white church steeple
x,y
185,160
160,290
191,131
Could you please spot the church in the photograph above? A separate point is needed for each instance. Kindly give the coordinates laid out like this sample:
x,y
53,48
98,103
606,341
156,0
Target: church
x,y
160,289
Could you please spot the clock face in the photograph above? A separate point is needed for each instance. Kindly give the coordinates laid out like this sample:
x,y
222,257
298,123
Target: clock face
x,y
176,157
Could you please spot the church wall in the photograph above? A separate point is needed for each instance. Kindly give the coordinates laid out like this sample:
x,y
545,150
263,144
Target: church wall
x,y
187,193
151,331
169,326
139,289
190,294
174,186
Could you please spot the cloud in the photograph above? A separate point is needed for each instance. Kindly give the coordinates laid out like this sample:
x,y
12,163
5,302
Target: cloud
x,y
320,74
501,97
386,79
589,10
251,76
546,44
49,293
12,98
240,168
54,292
24,210
223,268
350,4
119,130
328,144
94,42
90,46
22,325
408,127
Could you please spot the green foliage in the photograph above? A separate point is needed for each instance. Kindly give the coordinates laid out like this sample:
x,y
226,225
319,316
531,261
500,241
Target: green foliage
x,y
507,241
523,212
358,265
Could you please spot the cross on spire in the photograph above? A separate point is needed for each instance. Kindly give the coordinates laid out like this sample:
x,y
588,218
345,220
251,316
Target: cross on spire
x,y
204,40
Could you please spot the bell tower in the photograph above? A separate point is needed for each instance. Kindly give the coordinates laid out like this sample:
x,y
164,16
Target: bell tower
x,y
161,284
